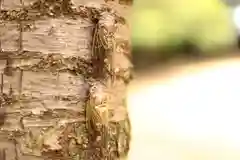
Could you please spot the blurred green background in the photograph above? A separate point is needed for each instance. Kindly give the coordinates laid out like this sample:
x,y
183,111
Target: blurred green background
x,y
206,23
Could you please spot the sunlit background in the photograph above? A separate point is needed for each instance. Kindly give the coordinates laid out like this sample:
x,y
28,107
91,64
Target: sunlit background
x,y
187,111
168,22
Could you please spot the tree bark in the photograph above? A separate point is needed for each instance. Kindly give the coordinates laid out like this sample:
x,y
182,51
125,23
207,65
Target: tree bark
x,y
57,103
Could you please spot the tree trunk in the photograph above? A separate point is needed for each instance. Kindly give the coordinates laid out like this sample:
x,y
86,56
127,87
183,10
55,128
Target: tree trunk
x,y
59,63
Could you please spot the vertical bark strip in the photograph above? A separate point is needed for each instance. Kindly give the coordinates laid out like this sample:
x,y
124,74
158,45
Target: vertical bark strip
x,y
2,83
0,34
2,154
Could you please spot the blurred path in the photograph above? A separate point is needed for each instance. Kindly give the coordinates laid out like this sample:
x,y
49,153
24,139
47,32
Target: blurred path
x,y
188,113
